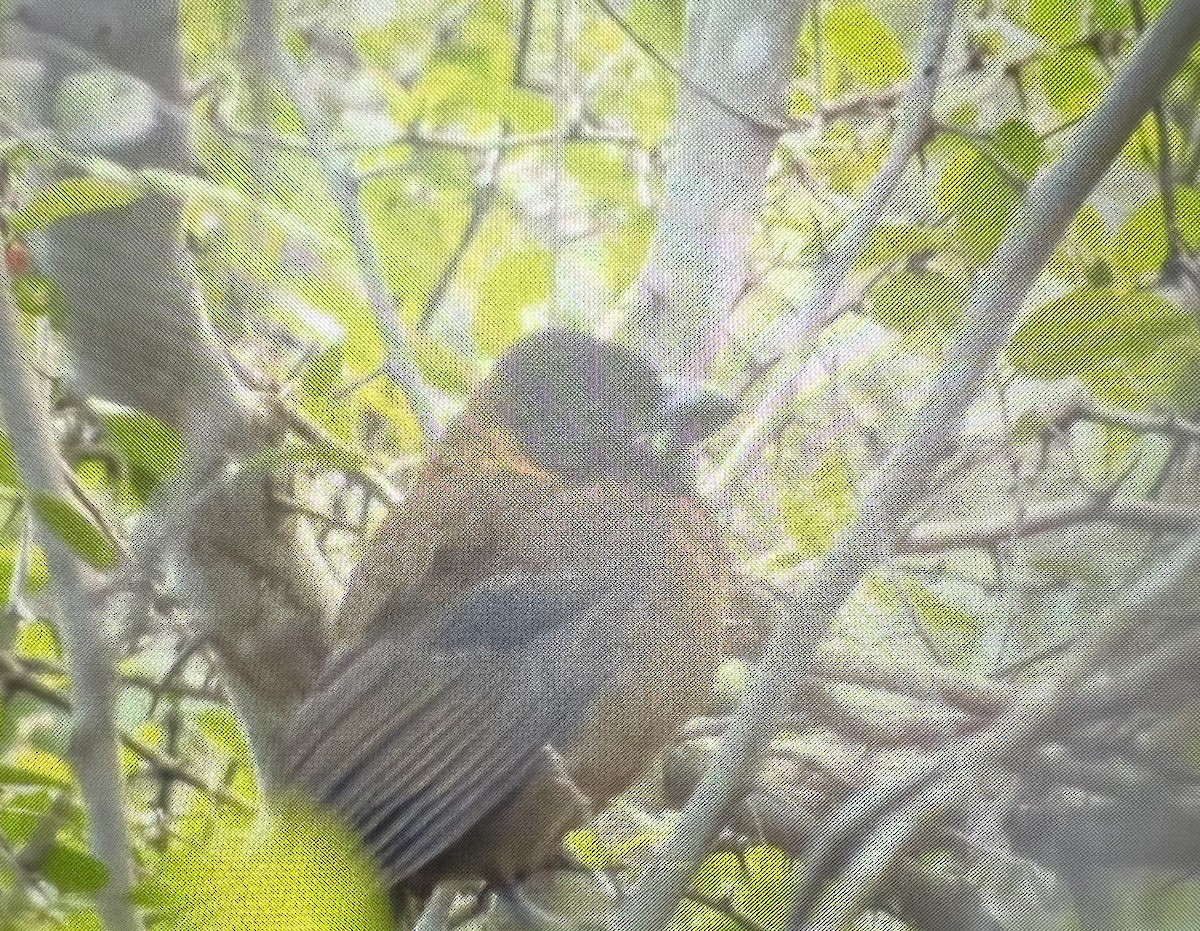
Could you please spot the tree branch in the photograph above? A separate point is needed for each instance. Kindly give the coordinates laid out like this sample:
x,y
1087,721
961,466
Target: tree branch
x,y
990,532
1051,203
913,124
725,133
344,186
88,649
138,337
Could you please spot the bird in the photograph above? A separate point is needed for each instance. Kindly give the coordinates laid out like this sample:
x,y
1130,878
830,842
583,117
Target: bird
x,y
529,627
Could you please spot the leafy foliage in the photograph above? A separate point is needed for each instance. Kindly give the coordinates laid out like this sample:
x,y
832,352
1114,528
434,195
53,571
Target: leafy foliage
x,y
509,172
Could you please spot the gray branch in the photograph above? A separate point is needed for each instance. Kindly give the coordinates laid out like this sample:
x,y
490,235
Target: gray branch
x,y
1051,203
86,639
738,59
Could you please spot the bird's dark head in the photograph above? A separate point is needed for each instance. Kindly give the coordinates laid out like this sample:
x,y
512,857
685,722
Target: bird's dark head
x,y
591,411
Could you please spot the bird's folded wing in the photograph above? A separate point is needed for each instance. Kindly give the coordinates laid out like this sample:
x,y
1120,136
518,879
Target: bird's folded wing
x,y
419,737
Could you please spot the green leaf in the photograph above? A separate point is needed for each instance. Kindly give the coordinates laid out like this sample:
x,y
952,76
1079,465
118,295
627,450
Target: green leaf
x,y
1021,147
625,250
221,727
1130,348
759,884
958,629
413,234
40,296
520,280
1055,21
74,870
39,641
446,368
152,449
603,173
1140,248
660,23
43,762
74,529
980,198
304,870
323,373
1070,81
70,197
898,243
20,776
83,920
1089,329
864,45
917,302
1112,14
818,505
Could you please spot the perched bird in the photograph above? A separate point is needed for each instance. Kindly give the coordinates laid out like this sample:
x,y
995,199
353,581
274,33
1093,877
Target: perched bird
x,y
532,624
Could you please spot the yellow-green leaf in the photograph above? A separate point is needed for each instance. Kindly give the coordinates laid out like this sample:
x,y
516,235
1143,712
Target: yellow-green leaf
x,y
77,531
70,197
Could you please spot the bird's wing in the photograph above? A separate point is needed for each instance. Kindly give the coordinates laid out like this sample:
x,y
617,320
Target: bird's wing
x,y
420,736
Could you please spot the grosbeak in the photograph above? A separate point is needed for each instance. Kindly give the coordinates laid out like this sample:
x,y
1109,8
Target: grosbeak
x,y
540,615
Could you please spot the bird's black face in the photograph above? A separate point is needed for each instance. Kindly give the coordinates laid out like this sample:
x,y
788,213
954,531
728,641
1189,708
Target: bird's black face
x,y
592,411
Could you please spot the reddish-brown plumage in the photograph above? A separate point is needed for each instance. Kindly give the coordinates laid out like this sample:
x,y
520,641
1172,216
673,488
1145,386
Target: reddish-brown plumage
x,y
613,675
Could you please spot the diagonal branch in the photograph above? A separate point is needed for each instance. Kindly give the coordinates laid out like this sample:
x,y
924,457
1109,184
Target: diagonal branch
x,y
345,187
1052,202
88,649
913,124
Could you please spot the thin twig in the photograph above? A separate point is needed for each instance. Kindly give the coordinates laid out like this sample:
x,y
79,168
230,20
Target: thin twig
x,y
137,680
838,262
989,532
482,201
1166,178
345,190
15,674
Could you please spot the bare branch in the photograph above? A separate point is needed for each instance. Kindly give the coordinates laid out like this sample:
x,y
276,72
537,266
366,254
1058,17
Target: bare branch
x,y
1052,201
990,532
690,80
913,123
89,651
344,186
137,680
725,134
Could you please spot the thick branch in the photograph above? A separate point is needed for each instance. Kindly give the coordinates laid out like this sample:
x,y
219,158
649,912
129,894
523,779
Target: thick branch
x,y
738,59
139,337
1052,201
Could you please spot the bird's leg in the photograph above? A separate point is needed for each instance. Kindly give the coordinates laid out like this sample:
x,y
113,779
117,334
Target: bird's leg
x,y
562,776
528,913
480,903
601,876
437,914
